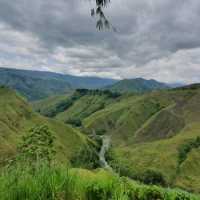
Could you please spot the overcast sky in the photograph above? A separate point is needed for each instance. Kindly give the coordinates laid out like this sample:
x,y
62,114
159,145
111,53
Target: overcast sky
x,y
157,39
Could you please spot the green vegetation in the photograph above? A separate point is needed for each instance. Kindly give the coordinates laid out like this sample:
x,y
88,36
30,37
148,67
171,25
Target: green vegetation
x,y
57,183
187,147
147,131
87,157
53,182
37,146
154,140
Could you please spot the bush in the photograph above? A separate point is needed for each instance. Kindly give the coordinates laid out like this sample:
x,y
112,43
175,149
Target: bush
x,y
36,147
86,157
152,177
186,148
74,122
123,168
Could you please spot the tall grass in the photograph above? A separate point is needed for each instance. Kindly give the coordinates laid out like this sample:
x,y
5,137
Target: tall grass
x,y
59,183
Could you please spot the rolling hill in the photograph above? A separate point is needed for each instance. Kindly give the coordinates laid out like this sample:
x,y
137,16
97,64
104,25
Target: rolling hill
x,y
35,85
157,131
16,119
138,85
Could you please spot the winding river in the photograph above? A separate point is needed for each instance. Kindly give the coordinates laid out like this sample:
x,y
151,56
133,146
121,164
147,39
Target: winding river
x,y
104,148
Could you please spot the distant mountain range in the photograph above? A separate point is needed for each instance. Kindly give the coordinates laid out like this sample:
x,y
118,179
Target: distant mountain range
x,y
137,85
36,85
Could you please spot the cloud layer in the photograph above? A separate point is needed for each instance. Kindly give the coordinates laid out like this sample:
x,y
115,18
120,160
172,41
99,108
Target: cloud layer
x,y
155,38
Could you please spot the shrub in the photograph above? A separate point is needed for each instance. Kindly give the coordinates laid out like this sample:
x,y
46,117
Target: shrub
x,y
185,148
152,177
86,157
74,122
36,147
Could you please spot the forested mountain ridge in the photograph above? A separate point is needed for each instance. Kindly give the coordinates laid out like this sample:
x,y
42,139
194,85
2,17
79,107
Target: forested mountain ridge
x,y
35,85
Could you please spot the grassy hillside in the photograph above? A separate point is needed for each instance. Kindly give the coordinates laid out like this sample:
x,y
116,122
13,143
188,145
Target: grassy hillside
x,y
148,132
52,105
35,85
77,106
17,117
138,85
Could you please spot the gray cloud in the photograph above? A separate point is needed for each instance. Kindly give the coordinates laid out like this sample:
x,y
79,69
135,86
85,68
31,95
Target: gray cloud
x,y
155,39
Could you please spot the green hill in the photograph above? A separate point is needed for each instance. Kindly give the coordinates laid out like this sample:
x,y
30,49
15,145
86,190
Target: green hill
x,y
138,85
17,117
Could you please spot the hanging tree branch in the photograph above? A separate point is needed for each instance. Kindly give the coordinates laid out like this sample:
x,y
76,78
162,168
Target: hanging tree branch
x,y
102,21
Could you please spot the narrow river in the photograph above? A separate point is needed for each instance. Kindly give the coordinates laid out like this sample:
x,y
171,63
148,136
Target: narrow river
x,y
104,148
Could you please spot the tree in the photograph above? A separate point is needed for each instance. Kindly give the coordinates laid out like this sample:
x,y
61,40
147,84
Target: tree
x,y
37,146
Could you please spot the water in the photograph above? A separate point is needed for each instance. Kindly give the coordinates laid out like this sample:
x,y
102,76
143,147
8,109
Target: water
x,y
104,148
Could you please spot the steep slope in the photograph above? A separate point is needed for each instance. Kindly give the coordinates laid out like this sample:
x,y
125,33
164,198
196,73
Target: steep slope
x,y
35,85
152,131
77,106
138,85
51,106
17,117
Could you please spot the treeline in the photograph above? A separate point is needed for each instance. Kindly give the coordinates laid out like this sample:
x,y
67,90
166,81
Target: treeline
x,y
108,93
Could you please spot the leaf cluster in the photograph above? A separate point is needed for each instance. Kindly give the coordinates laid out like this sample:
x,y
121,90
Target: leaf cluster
x,y
102,22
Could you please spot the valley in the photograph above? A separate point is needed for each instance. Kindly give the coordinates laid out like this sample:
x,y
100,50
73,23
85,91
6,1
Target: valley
x,y
99,100
150,138
146,130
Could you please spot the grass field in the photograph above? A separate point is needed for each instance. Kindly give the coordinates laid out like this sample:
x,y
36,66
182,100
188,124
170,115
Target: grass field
x,y
58,183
